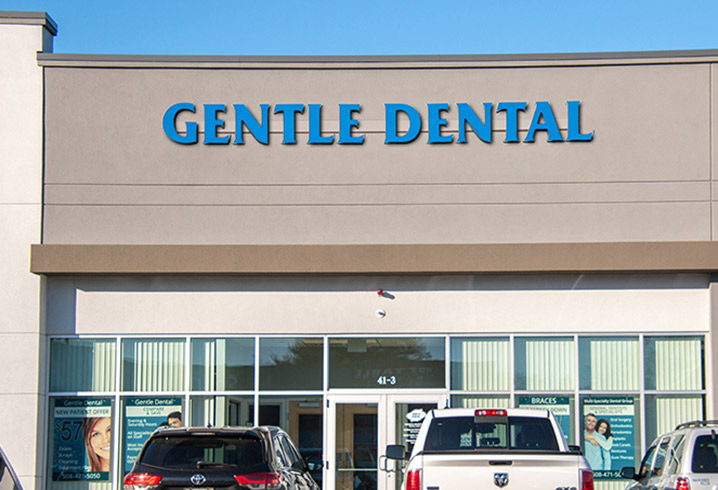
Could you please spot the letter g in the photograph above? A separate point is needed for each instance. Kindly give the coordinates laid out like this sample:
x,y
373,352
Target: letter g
x,y
168,124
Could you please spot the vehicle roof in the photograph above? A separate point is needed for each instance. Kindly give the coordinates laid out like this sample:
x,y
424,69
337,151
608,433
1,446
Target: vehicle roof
x,y
693,428
235,430
510,412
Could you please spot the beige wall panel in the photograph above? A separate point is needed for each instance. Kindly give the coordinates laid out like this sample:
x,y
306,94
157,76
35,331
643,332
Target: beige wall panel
x,y
377,224
635,192
18,351
20,296
467,304
651,123
18,434
20,126
714,117
651,144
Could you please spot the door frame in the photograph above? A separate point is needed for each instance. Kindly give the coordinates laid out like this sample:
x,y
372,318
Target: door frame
x,y
386,425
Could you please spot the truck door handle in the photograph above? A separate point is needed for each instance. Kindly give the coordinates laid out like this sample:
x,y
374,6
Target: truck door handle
x,y
501,463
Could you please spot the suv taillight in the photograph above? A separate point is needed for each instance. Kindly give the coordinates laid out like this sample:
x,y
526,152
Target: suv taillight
x,y
260,481
683,484
586,480
141,481
413,480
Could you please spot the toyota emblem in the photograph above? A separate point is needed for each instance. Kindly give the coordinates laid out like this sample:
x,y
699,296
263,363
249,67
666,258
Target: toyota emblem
x,y
197,479
501,479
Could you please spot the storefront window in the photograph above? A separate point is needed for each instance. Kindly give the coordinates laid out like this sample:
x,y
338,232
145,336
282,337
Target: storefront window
x,y
222,364
561,406
610,433
153,364
302,417
143,415
290,363
80,443
544,363
220,411
82,365
665,412
609,363
480,364
674,363
476,401
387,362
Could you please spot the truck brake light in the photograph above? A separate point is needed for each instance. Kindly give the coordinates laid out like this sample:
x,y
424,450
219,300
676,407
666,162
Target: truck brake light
x,y
586,480
683,484
413,480
490,413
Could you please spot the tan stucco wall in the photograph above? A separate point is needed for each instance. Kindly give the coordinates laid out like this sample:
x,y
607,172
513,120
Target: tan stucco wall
x,y
113,176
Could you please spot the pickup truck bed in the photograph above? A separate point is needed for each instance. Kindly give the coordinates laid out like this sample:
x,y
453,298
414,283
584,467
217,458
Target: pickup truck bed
x,y
510,449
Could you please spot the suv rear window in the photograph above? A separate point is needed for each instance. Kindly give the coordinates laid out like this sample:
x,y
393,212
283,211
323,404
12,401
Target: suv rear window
x,y
464,433
705,455
197,451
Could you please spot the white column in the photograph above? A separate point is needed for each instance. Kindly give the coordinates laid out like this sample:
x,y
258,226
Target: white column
x,y
22,342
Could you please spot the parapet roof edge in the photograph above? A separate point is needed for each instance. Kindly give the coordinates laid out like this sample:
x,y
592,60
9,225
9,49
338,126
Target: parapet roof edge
x,y
110,60
30,18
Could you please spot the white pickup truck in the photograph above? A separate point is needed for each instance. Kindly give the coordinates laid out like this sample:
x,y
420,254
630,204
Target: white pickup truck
x,y
521,449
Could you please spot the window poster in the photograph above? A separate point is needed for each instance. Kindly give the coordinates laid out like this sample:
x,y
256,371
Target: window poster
x,y
609,424
82,439
142,417
559,406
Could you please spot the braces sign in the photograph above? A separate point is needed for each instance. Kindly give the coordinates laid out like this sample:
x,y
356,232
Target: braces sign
x,y
542,119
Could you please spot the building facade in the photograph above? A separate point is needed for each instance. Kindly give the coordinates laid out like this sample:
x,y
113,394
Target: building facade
x,y
337,244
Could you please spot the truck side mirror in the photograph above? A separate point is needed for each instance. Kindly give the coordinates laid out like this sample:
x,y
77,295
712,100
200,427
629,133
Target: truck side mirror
x,y
395,451
628,472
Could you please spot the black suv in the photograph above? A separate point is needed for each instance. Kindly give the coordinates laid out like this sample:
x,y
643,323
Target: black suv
x,y
259,458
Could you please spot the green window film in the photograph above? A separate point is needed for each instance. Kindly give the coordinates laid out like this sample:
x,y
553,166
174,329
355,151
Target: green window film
x,y
544,363
222,364
480,364
674,363
610,363
290,364
665,412
153,364
383,362
82,365
472,401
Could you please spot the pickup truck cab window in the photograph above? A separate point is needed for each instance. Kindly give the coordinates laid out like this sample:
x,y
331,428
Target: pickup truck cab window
x,y
466,433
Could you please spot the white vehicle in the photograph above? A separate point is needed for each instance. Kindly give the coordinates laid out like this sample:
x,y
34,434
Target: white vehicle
x,y
8,478
513,449
684,459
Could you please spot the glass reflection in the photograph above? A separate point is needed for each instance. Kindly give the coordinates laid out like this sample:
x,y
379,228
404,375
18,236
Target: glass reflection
x,y
387,362
290,364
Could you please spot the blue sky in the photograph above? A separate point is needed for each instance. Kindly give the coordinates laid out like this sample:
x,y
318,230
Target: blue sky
x,y
339,27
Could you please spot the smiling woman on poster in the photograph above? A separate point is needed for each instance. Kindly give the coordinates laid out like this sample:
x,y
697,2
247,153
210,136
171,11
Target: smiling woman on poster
x,y
97,434
605,441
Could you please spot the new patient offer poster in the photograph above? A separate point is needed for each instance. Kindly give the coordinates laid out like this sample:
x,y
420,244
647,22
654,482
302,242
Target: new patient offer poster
x,y
82,439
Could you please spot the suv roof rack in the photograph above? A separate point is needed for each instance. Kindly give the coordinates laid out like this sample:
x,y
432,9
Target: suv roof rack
x,y
697,423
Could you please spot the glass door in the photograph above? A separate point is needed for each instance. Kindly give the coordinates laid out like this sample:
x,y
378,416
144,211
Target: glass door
x,y
406,413
359,429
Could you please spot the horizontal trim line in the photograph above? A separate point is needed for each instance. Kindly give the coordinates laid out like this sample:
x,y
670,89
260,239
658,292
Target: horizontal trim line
x,y
62,259
375,61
